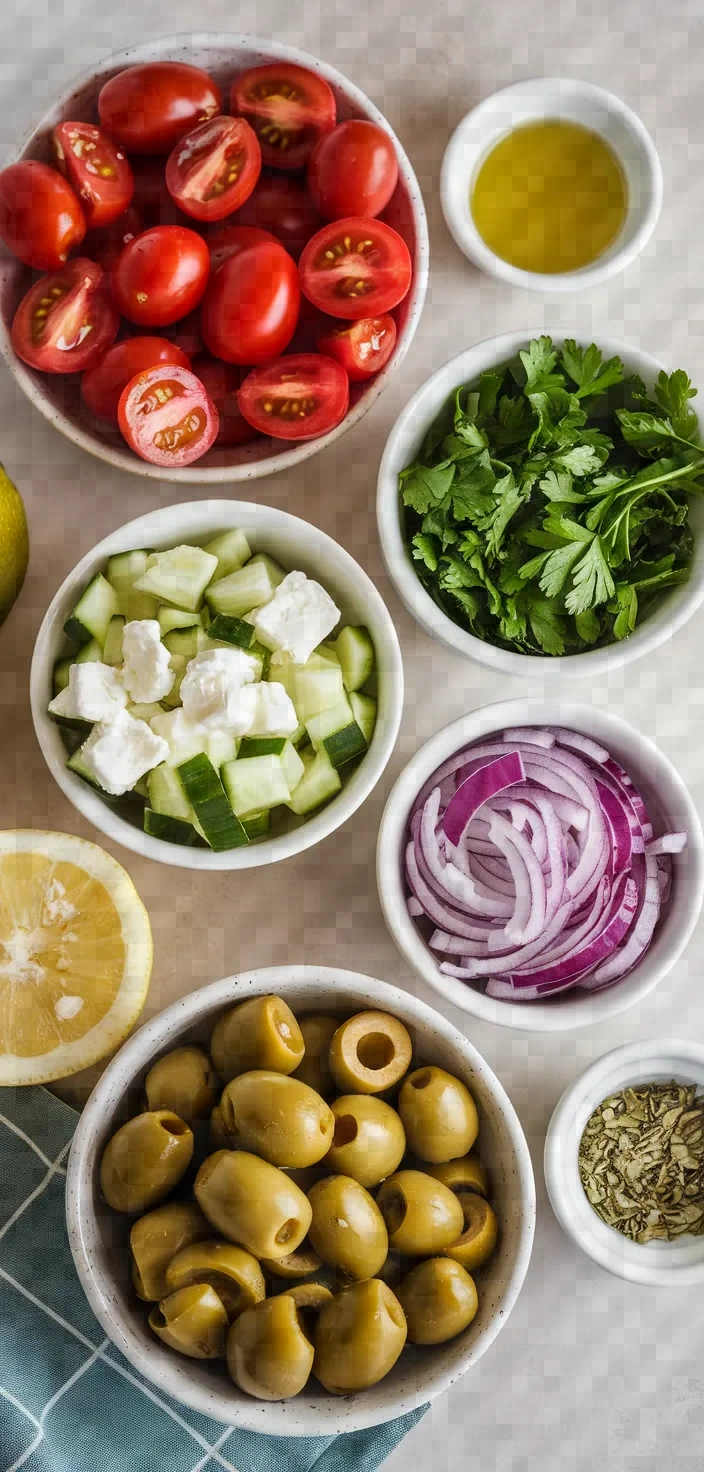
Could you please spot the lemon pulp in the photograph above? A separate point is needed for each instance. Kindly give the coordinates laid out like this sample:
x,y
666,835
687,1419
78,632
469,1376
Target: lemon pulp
x,y
14,543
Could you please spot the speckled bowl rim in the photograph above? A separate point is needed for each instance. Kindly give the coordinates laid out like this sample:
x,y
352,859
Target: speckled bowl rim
x,y
301,1416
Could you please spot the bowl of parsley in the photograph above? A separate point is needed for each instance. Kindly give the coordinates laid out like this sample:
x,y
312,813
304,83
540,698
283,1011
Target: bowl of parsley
x,y
540,504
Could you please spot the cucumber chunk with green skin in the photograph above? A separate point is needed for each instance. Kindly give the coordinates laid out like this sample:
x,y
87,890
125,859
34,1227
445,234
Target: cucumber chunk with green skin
x,y
313,687
241,591
140,788
72,723
76,765
256,825
274,569
337,732
231,631
166,794
320,782
61,677
364,708
184,642
176,618
355,652
90,653
254,783
172,830
92,614
112,649
327,651
261,746
204,790
123,571
292,765
232,551
179,576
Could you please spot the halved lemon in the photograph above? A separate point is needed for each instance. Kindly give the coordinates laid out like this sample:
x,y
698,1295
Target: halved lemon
x,y
75,955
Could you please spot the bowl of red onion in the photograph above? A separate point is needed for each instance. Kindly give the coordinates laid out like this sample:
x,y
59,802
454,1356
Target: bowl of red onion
x,y
541,864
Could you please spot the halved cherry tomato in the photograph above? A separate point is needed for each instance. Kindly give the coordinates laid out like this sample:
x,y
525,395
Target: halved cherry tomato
x,y
99,171
41,219
353,170
151,196
250,309
167,417
102,385
356,268
297,397
104,246
229,240
289,108
148,108
213,170
221,382
67,319
282,206
161,275
361,347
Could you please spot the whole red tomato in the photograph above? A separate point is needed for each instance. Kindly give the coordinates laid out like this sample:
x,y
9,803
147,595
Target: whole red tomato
x,y
228,240
41,219
282,206
99,172
250,308
102,385
67,319
161,275
147,108
353,170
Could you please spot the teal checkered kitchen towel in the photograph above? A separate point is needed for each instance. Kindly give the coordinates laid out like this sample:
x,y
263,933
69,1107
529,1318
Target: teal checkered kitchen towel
x,y
69,1402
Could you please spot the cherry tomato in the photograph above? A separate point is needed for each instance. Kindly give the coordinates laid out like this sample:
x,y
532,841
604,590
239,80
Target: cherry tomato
x,y
353,171
167,417
361,347
148,108
289,108
297,397
104,246
282,206
221,382
67,319
102,385
213,170
229,240
161,275
151,196
98,171
41,219
356,268
250,309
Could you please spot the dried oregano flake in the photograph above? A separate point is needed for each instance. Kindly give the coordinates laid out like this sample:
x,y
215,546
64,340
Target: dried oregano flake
x,y
641,1161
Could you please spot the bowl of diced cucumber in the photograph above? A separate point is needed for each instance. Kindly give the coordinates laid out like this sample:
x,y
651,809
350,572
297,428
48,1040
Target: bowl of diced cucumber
x,y
217,685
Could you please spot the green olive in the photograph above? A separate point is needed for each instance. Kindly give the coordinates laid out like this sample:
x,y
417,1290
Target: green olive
x,y
369,1141
253,1203
479,1233
182,1081
422,1216
296,1264
193,1321
144,1160
466,1174
347,1229
219,1137
234,1274
277,1117
359,1337
156,1238
369,1053
259,1033
439,1115
309,1296
439,1300
317,1031
268,1353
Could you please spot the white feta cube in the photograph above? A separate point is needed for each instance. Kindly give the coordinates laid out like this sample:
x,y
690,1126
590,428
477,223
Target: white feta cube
x,y
121,750
212,687
270,708
95,692
182,738
147,672
299,616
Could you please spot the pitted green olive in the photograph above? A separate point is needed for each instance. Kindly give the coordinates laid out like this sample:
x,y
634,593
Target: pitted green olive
x,y
296,1264
439,1300
439,1115
369,1141
193,1321
309,1297
253,1203
277,1117
268,1353
359,1338
182,1081
478,1238
314,1069
234,1274
347,1229
145,1160
219,1137
259,1033
466,1174
156,1238
422,1216
369,1053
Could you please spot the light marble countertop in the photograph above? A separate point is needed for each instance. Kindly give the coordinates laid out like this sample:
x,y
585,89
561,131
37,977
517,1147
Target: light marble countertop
x,y
590,1371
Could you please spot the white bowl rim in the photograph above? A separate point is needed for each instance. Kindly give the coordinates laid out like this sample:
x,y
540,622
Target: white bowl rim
x,y
279,460
465,233
184,1013
586,1008
464,367
586,1092
266,851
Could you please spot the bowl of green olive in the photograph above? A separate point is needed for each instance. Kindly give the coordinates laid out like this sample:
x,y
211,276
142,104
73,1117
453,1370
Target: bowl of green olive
x,y
300,1201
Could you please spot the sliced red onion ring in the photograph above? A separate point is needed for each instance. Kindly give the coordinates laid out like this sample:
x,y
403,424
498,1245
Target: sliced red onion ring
x,y
484,783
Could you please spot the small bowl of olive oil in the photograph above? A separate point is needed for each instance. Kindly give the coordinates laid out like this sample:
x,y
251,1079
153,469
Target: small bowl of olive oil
x,y
551,184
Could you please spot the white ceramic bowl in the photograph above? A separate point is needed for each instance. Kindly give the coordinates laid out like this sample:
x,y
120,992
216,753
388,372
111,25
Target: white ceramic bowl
x,y
295,544
669,803
98,1237
529,102
678,1264
223,55
402,447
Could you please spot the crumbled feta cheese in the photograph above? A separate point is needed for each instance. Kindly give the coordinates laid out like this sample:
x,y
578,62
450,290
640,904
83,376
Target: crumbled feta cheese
x,y
212,686
67,1007
270,708
299,616
119,751
147,672
94,693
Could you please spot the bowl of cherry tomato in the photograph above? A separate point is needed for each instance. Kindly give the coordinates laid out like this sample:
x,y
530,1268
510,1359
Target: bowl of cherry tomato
x,y
213,256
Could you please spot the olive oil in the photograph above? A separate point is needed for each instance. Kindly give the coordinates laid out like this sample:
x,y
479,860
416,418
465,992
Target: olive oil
x,y
550,197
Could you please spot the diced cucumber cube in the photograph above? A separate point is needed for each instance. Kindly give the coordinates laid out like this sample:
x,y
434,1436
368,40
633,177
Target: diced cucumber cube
x,y
254,783
145,711
166,793
178,663
275,571
222,829
93,612
123,571
182,740
327,650
231,631
179,576
91,653
364,711
76,765
292,765
185,642
172,830
313,687
299,737
176,618
241,591
221,747
336,732
256,825
61,676
319,783
261,746
112,651
232,551
140,788
355,652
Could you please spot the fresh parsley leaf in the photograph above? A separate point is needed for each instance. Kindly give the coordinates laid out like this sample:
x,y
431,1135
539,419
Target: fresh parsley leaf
x,y
438,522
647,433
421,485
626,610
514,422
557,486
566,529
489,389
586,368
557,567
512,624
508,498
592,582
539,361
531,569
425,549
547,626
581,460
673,394
588,626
